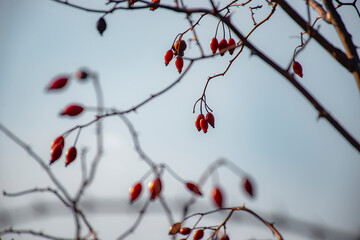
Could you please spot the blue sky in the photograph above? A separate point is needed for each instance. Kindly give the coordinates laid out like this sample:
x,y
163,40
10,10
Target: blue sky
x,y
303,168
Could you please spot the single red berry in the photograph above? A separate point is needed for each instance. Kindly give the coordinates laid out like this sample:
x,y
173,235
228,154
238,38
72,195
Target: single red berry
x,y
101,25
174,229
72,110
197,121
198,234
231,45
204,125
59,140
155,4
217,197
57,83
185,231
248,187
193,187
155,188
214,44
210,119
168,56
179,63
222,46
297,68
55,152
224,237
135,191
70,155
180,46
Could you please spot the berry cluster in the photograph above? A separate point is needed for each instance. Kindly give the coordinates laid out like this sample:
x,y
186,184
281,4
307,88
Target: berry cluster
x,y
71,110
222,46
155,187
57,147
201,122
178,50
198,234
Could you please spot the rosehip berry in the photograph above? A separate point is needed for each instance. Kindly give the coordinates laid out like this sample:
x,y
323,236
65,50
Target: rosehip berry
x,y
210,119
135,191
222,46
168,56
193,187
174,229
101,25
198,234
180,46
72,110
155,188
217,197
204,125
214,44
248,187
57,83
55,152
231,45
185,231
197,121
59,140
297,68
70,155
179,63
224,237
155,5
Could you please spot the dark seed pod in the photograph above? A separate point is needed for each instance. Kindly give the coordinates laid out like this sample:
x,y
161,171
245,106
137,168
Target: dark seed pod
x,y
101,25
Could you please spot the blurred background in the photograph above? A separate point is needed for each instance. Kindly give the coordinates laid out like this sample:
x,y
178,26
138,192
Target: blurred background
x,y
306,174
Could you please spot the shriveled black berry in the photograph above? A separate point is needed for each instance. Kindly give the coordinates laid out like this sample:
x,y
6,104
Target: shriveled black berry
x,y
101,25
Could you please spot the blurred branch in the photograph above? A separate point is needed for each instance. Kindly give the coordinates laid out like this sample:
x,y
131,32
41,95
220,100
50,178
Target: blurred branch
x,y
33,233
37,158
346,39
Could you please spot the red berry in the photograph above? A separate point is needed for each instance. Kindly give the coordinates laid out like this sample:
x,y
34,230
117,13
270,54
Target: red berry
x,y
193,187
72,110
55,152
224,237
155,4
222,46
101,25
135,191
214,44
59,140
198,234
297,68
231,45
179,63
217,197
168,56
70,155
174,229
185,231
197,121
57,83
248,187
155,188
210,119
204,125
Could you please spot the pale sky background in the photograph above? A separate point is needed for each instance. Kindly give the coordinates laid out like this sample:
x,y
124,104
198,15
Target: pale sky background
x,y
304,168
